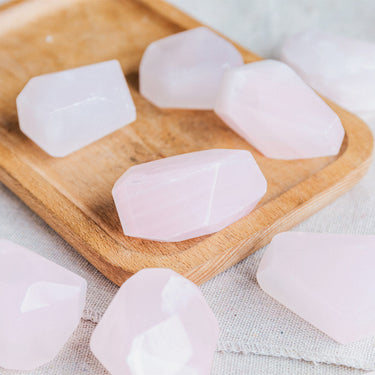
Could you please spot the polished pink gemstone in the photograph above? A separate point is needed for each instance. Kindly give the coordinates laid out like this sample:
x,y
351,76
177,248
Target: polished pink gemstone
x,y
327,279
189,195
184,70
65,111
158,323
41,305
266,103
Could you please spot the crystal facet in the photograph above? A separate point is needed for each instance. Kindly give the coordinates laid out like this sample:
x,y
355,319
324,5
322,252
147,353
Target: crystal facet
x,y
158,323
340,68
266,103
327,279
184,70
41,305
65,111
189,195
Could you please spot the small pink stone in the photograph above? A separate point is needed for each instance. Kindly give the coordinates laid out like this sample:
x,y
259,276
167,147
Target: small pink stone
x,y
189,195
158,323
267,104
65,111
327,279
41,306
184,70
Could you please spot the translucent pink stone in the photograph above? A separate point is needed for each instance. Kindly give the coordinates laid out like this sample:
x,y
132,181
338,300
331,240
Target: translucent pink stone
x,y
184,70
189,195
327,279
340,68
41,305
158,323
65,111
266,103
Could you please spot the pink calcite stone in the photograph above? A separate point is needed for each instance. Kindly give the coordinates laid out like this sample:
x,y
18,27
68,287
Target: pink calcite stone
x,y
327,279
158,323
189,195
41,305
340,68
266,103
184,70
65,111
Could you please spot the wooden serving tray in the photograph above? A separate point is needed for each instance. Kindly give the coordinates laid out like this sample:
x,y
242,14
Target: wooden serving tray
x,y
73,194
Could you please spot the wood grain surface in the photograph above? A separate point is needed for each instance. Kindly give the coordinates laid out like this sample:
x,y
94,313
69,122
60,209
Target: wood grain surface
x,y
73,194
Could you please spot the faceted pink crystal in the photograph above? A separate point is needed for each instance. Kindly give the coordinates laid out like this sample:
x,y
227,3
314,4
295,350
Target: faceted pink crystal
x,y
184,70
327,279
158,323
340,68
41,305
266,103
62,112
188,195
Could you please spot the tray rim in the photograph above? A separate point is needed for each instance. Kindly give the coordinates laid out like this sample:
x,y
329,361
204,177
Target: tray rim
x,y
215,253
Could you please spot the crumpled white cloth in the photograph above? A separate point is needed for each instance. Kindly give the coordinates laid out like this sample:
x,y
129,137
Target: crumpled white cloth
x,y
258,335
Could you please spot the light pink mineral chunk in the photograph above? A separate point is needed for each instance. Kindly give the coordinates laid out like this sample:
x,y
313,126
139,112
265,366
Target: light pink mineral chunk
x,y
184,70
41,305
327,279
158,323
271,107
340,68
189,195
65,111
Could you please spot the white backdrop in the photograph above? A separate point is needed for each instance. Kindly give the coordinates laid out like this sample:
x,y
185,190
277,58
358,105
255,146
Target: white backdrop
x,y
260,25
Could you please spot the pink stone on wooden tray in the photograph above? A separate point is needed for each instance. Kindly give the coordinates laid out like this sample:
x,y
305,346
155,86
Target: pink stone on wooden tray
x,y
270,106
41,305
327,279
158,323
184,70
340,68
189,195
65,111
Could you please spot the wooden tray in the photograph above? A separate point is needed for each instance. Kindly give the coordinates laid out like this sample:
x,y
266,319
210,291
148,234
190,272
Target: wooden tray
x,y
73,194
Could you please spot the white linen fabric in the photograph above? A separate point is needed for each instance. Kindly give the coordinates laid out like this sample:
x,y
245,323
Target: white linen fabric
x,y
258,335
